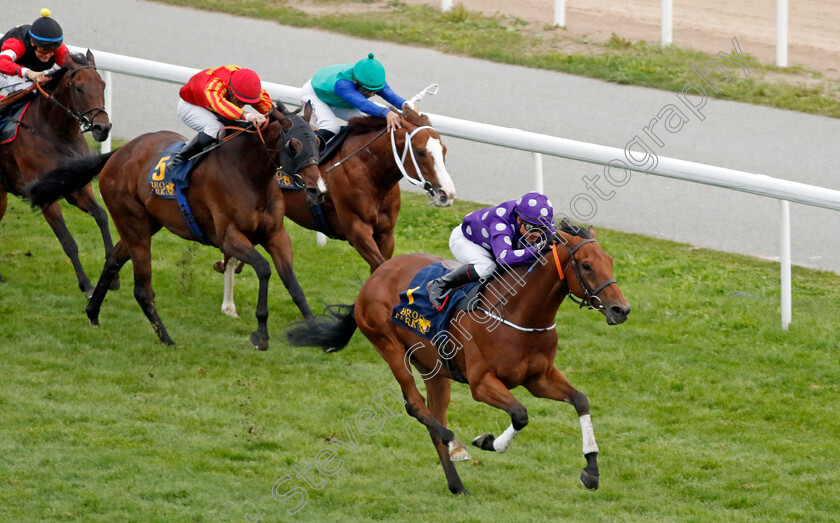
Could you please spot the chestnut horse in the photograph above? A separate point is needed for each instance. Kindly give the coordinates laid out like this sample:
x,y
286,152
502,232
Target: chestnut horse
x,y
363,195
51,132
512,341
233,195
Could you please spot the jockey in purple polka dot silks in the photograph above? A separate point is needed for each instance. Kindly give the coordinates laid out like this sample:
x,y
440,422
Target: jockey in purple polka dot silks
x,y
506,233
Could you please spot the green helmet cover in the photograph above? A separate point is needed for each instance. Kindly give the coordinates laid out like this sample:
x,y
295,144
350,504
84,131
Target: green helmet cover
x,y
370,73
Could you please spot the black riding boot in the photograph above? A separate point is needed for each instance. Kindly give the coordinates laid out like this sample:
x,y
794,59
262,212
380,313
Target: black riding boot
x,y
451,280
325,136
200,142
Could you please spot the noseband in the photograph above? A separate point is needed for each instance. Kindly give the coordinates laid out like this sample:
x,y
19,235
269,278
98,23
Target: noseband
x,y
420,181
590,293
84,120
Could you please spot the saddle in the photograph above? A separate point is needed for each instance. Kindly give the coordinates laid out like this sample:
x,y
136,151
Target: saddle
x,y
334,144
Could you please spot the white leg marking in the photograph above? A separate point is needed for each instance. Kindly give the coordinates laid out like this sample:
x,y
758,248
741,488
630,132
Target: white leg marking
x,y
502,443
228,306
589,444
321,238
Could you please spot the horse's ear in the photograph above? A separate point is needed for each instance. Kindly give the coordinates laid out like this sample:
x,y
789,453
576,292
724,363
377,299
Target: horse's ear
x,y
89,57
307,111
71,61
281,107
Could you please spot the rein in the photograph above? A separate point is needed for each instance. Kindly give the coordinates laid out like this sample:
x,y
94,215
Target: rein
x,y
590,293
354,153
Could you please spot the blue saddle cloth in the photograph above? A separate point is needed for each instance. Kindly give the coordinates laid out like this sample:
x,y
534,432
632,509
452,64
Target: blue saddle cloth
x,y
417,313
164,176
168,182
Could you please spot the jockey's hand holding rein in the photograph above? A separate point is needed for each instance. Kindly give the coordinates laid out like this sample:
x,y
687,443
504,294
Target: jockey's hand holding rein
x,y
393,121
36,76
255,118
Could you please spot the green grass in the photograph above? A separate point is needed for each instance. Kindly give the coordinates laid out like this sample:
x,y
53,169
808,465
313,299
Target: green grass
x,y
502,39
703,408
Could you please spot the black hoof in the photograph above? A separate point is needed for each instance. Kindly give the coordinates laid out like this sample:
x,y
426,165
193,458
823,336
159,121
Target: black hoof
x,y
258,341
89,293
115,284
588,480
485,442
219,266
460,491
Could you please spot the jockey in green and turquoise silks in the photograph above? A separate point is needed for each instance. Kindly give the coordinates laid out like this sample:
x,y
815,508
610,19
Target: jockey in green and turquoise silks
x,y
342,91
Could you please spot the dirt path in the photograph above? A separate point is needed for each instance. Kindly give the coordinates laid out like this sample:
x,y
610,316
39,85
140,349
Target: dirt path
x,y
705,25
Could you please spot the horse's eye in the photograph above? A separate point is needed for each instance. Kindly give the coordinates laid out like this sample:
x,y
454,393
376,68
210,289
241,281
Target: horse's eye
x,y
586,267
78,88
421,153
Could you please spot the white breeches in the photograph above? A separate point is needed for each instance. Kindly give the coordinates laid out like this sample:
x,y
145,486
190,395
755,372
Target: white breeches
x,y
199,119
466,252
324,116
12,84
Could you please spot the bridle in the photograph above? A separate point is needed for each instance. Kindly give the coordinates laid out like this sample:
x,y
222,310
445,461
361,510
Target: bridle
x,y
420,181
82,118
590,293
277,166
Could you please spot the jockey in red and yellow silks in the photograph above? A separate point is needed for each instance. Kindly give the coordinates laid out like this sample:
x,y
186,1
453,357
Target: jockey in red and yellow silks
x,y
220,92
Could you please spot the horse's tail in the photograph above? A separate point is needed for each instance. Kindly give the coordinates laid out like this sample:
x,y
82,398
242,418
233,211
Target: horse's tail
x,y
65,179
331,332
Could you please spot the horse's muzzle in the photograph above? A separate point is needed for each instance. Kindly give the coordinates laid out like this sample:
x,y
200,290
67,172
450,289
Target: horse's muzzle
x,y
315,196
616,314
100,132
442,198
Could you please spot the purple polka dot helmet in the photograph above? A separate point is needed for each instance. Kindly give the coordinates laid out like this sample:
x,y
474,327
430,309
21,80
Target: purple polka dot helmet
x,y
535,208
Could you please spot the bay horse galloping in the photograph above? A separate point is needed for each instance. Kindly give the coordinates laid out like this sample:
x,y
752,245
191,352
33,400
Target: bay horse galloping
x,y
509,339
50,132
363,195
233,194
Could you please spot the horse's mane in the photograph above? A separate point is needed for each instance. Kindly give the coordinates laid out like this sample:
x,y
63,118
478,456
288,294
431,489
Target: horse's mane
x,y
574,230
368,124
58,74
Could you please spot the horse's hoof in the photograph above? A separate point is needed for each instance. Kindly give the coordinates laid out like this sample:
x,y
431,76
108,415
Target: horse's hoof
x,y
588,480
457,451
219,266
89,293
485,442
115,284
230,311
460,491
330,350
239,267
94,322
258,341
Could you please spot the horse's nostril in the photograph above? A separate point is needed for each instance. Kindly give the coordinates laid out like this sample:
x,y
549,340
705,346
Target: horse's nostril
x,y
620,311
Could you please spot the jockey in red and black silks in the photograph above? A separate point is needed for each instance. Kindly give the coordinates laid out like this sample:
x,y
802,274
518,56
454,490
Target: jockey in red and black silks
x,y
27,51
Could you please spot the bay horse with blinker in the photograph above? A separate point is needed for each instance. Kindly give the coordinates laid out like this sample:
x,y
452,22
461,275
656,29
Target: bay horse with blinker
x,y
234,198
51,131
363,195
508,341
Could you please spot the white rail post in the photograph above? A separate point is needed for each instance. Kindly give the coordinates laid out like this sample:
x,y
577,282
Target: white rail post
x,y
667,22
538,172
445,5
784,261
107,77
560,13
781,33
